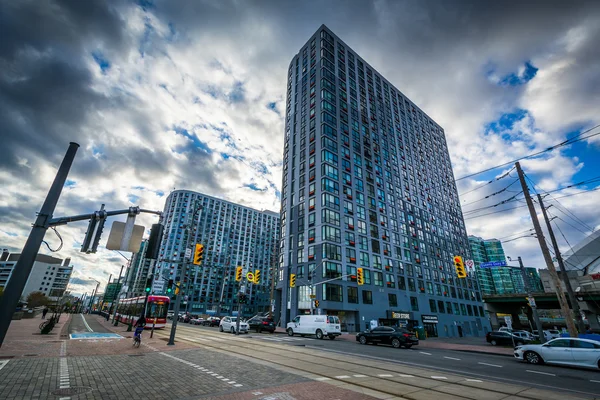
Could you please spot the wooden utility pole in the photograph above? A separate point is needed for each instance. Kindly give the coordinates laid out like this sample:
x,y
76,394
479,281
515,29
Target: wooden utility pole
x,y
563,270
564,306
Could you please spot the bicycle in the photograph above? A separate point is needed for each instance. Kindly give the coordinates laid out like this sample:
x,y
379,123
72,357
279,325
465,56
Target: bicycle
x,y
137,336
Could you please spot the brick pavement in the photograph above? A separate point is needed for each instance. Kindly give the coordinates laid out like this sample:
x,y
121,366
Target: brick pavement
x,y
23,338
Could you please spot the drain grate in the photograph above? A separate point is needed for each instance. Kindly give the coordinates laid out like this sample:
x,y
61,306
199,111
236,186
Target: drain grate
x,y
72,391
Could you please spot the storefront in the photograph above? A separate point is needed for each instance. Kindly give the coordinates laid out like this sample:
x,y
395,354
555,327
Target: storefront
x,y
430,324
401,319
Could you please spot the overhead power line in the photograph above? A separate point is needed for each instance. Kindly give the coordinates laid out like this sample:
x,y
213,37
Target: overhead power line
x,y
567,142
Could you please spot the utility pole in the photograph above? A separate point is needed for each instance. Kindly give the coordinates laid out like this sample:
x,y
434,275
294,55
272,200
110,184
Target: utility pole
x,y
536,317
22,269
171,341
563,270
117,294
566,311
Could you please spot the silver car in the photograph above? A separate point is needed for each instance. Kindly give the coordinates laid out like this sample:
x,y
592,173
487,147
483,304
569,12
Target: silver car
x,y
562,351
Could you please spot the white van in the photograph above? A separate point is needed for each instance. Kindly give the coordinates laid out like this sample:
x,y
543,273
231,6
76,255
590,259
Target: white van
x,y
318,325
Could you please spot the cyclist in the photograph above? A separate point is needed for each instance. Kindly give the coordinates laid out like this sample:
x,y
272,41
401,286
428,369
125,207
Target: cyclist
x,y
139,327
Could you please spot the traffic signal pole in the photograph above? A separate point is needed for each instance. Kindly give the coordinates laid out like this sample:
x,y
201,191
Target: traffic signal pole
x,y
171,341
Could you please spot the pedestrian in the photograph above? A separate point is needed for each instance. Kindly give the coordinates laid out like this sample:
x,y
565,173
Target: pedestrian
x,y
44,312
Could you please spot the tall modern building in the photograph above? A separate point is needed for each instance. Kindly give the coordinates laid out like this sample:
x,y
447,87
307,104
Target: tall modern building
x,y
49,275
232,235
368,183
500,280
138,271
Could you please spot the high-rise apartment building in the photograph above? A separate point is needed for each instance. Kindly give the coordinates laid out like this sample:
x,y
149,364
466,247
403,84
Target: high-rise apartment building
x,y
232,235
368,183
138,271
500,280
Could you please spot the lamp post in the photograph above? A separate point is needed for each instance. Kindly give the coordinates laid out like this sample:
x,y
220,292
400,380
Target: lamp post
x,y
310,284
536,317
93,293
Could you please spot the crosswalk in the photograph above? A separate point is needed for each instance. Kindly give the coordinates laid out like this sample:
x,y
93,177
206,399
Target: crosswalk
x,y
229,338
282,339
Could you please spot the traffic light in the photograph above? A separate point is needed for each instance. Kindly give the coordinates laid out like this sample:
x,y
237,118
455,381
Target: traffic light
x,y
198,254
256,276
459,265
148,285
238,274
360,276
177,288
317,303
242,298
292,280
170,286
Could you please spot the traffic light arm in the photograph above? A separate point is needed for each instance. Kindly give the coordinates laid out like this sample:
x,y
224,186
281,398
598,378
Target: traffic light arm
x,y
83,217
321,282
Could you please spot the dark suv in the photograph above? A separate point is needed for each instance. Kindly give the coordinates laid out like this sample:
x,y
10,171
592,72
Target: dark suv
x,y
260,324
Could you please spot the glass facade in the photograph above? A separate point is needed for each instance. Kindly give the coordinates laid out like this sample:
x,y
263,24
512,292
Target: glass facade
x,y
232,235
367,183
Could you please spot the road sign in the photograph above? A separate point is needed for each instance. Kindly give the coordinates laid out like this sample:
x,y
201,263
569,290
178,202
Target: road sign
x,y
470,264
531,301
313,296
188,253
250,277
508,321
492,264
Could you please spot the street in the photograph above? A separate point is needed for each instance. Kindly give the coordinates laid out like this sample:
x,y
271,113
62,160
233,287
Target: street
x,y
476,365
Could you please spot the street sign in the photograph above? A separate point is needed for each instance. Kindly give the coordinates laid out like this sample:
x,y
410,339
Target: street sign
x,y
250,277
188,253
508,321
492,264
531,301
470,264
313,296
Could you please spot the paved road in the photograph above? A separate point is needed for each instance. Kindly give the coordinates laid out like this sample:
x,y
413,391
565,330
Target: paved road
x,y
476,365
82,323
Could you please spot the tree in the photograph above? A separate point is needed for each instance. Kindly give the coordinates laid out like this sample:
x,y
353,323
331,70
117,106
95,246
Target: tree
x,y
37,299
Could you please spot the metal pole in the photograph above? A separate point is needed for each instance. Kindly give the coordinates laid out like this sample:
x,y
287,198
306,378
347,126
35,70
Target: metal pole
x,y
562,300
171,341
563,270
118,295
93,295
22,269
536,317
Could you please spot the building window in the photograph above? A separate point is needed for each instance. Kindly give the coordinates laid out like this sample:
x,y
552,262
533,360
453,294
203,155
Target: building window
x,y
367,297
441,306
456,309
378,278
392,300
352,294
414,304
332,270
463,309
432,306
332,292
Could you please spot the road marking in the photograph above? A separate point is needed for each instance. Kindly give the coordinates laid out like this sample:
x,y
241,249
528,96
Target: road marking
x,y
385,375
452,358
422,352
3,363
406,376
474,380
191,364
591,380
439,377
360,376
342,377
86,324
64,375
322,378
491,365
541,373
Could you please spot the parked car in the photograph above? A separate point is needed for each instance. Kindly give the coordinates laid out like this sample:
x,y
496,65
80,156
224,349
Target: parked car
x,y
524,335
397,337
563,351
552,334
212,321
260,324
318,325
505,338
197,321
229,324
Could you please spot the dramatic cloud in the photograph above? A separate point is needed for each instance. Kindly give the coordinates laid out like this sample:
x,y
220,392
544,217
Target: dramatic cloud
x,y
191,94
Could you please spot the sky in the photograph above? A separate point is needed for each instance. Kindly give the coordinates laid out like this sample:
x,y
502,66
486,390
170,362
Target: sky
x,y
190,94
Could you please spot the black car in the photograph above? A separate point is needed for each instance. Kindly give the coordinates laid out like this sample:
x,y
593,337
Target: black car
x,y
505,338
397,337
260,324
211,321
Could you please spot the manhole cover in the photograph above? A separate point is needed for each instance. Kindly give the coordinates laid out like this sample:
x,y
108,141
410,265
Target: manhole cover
x,y
72,391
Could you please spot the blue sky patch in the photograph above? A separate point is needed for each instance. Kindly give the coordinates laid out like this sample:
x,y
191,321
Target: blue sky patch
x,y
197,143
253,187
516,80
70,183
102,62
133,199
506,121
238,92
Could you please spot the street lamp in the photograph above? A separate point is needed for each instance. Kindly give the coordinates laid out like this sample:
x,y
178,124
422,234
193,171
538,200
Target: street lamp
x,y
536,317
94,292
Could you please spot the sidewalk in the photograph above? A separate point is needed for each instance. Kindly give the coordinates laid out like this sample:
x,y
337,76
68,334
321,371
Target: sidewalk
x,y
24,339
467,344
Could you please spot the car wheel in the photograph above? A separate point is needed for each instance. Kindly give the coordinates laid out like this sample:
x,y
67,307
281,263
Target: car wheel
x,y
407,346
532,357
396,343
319,334
232,330
220,328
331,337
290,332
362,340
493,342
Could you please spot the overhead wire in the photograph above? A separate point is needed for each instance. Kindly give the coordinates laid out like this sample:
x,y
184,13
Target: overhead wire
x,y
59,237
491,195
493,180
567,142
508,200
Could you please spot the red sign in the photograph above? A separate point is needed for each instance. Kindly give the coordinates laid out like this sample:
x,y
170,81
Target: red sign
x,y
595,276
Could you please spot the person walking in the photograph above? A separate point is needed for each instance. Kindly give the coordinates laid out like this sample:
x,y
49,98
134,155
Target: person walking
x,y
44,312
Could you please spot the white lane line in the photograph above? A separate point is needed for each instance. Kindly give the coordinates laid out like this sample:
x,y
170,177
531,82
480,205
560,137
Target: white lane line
x,y
473,380
591,380
342,377
360,376
406,376
86,324
322,378
491,365
3,363
452,358
385,375
541,373
439,377
191,364
64,375
422,352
